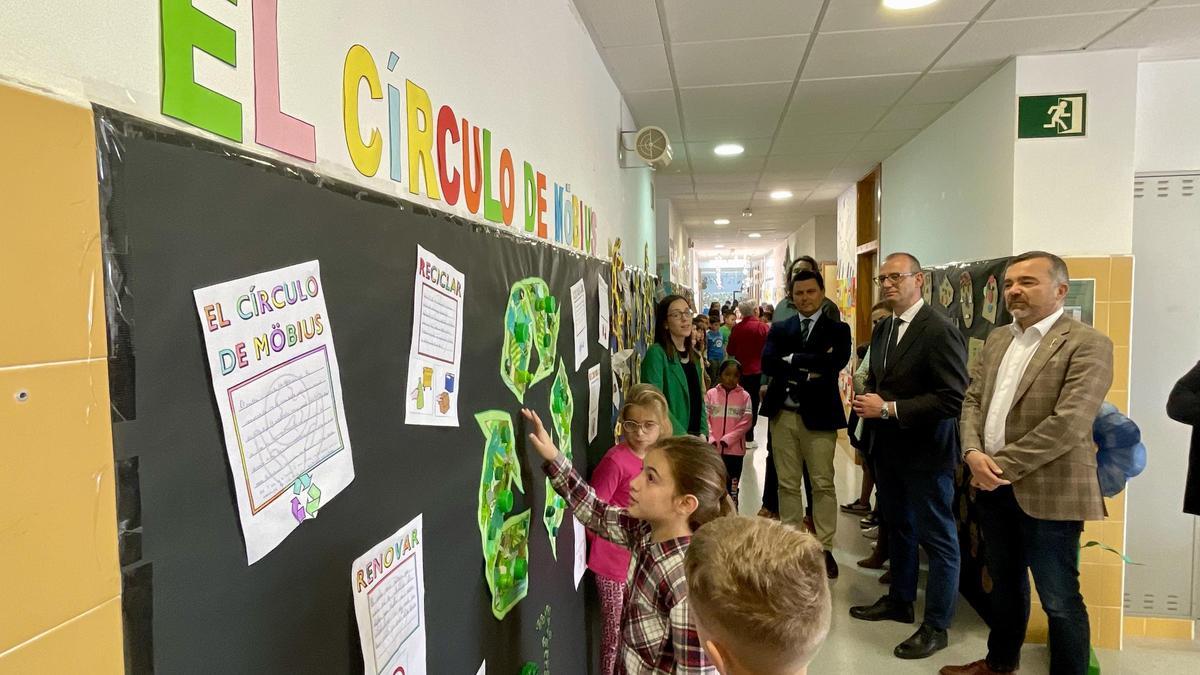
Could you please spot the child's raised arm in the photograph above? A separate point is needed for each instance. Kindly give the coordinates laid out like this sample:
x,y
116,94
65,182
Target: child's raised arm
x,y
608,521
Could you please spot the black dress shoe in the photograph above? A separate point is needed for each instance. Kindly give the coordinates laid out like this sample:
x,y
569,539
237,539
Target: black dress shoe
x,y
871,520
885,609
831,568
923,643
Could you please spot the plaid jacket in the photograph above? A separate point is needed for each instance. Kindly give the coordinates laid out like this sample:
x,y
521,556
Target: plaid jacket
x,y
657,633
1049,454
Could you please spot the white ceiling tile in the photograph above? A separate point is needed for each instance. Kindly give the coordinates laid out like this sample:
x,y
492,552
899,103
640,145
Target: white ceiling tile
x,y
1015,9
851,119
912,116
725,196
818,143
946,86
988,43
710,163
773,59
620,23
885,141
742,178
755,147
734,101
827,193
638,68
784,180
899,50
1160,32
779,179
864,158
653,107
868,14
786,163
733,128
720,19
832,96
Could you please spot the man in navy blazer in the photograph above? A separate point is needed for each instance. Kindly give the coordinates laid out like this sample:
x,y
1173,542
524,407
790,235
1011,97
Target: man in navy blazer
x,y
913,398
803,357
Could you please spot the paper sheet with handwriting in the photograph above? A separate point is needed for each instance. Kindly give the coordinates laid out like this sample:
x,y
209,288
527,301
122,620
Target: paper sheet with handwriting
x,y
274,370
389,603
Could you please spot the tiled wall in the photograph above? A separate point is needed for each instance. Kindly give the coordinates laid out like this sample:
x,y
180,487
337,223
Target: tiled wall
x,y
1102,573
59,579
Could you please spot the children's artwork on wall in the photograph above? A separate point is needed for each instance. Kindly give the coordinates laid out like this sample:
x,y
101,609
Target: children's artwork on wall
x,y
505,539
945,292
991,299
927,288
435,353
966,299
562,409
278,389
389,603
530,325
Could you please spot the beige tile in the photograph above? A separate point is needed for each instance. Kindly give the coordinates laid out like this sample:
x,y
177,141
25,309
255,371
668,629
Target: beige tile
x,y
1090,577
1109,620
1135,626
1120,379
1112,586
1100,317
1039,627
50,259
1121,288
1119,316
59,536
88,643
1177,629
1092,268
1119,398
1116,506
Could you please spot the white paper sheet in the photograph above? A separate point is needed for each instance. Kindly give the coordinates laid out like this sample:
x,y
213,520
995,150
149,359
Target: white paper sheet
x,y
269,344
435,355
482,669
593,402
602,296
388,582
580,551
579,315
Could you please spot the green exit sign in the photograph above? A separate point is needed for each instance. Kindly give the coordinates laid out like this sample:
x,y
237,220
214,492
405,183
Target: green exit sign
x,y
1052,116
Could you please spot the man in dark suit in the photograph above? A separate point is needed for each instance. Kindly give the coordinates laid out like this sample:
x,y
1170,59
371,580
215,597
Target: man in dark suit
x,y
803,356
914,395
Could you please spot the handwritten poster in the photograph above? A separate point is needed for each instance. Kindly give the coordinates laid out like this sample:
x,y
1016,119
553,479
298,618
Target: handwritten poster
x,y
593,402
269,343
435,355
579,316
580,551
389,603
602,297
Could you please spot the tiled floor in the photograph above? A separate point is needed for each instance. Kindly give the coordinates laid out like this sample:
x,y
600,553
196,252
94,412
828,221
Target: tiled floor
x,y
862,647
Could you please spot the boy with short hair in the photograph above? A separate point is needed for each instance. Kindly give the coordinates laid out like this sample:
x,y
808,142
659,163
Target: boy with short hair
x,y
758,595
714,353
728,318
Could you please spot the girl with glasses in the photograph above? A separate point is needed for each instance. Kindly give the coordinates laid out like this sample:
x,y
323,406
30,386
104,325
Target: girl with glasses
x,y
642,420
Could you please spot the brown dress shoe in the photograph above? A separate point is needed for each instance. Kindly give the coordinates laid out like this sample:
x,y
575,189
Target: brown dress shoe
x,y
875,562
764,512
886,578
979,667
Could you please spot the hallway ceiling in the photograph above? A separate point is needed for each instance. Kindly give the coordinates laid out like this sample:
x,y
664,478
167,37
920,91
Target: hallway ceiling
x,y
820,91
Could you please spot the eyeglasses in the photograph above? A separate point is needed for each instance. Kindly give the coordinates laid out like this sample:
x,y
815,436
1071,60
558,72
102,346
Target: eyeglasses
x,y
646,427
678,314
894,277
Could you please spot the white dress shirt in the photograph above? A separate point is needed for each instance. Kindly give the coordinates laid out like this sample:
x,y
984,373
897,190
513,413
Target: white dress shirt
x,y
1008,377
907,317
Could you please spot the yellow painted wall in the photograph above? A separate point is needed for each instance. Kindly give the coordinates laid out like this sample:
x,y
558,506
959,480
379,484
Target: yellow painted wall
x,y
1101,573
59,575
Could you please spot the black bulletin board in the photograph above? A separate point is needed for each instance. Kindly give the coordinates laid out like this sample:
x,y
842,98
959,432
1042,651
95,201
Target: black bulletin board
x,y
182,214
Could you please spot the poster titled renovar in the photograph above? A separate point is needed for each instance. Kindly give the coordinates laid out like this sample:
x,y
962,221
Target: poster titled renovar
x,y
389,603
275,377
435,355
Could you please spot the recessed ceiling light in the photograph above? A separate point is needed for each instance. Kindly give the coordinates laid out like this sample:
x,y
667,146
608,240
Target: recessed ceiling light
x,y
719,246
906,4
728,149
781,194
754,235
721,221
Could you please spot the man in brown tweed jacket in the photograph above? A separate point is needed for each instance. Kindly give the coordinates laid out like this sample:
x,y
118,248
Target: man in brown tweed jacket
x,y
1027,437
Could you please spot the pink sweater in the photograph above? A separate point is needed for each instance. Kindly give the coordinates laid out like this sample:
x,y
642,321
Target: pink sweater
x,y
729,418
611,481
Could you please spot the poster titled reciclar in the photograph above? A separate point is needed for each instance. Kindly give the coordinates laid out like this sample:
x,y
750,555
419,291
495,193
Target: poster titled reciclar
x,y
435,355
269,343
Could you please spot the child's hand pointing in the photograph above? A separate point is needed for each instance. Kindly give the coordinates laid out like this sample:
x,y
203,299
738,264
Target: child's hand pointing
x,y
539,437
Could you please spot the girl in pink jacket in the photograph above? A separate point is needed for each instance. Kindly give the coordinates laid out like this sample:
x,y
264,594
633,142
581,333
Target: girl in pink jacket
x,y
729,418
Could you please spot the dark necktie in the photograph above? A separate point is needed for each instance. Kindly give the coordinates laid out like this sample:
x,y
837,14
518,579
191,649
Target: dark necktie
x,y
804,328
893,338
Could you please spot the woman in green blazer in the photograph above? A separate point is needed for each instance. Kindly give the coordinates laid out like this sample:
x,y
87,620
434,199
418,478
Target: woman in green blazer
x,y
672,365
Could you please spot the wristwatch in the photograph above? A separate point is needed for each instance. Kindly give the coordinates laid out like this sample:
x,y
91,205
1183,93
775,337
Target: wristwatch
x,y
969,451
883,411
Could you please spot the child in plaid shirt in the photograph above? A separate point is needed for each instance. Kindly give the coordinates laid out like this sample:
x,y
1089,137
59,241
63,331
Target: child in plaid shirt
x,y
681,487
